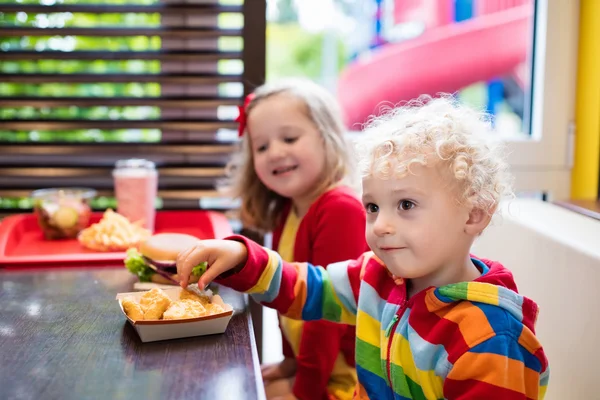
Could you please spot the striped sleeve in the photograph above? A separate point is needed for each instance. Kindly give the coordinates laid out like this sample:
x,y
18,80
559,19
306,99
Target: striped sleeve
x,y
498,368
298,290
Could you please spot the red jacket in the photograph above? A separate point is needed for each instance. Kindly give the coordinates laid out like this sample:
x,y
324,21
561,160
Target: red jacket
x,y
332,230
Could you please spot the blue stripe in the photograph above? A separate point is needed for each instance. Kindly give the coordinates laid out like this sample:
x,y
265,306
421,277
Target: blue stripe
x,y
387,315
273,290
370,302
338,273
428,356
508,346
399,397
500,319
480,266
375,386
441,297
544,377
511,301
313,307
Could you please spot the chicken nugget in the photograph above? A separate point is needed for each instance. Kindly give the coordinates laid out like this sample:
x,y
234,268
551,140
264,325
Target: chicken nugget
x,y
187,308
132,309
212,308
188,295
154,303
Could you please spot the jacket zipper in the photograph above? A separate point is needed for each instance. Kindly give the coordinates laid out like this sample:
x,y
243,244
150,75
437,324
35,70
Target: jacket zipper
x,y
390,329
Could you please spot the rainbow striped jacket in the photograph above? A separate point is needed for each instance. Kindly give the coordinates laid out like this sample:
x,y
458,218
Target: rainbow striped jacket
x,y
470,340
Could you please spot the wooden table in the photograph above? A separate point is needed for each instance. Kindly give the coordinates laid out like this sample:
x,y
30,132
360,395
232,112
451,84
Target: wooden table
x,y
62,336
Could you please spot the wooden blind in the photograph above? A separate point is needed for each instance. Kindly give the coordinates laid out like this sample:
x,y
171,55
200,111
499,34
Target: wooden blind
x,y
83,85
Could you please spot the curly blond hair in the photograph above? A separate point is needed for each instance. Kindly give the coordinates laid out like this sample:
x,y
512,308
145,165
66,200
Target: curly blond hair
x,y
428,130
261,208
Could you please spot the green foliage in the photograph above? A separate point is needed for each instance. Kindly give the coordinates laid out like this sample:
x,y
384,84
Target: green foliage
x,y
132,89
291,51
286,12
82,136
97,203
77,19
51,2
78,67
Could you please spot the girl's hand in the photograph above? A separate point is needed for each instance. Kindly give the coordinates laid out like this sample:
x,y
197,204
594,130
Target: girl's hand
x,y
288,396
221,256
280,370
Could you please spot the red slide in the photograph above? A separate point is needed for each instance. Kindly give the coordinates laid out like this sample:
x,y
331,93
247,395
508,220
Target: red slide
x,y
443,59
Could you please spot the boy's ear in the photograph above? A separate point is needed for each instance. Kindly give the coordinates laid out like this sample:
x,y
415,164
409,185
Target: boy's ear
x,y
477,222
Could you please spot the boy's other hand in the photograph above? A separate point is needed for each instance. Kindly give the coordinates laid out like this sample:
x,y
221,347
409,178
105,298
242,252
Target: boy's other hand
x,y
220,255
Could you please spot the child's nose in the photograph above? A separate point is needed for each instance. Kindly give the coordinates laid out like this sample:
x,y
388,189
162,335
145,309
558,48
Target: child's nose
x,y
383,226
276,150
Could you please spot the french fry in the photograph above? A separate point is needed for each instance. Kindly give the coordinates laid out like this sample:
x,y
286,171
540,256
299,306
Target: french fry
x,y
113,232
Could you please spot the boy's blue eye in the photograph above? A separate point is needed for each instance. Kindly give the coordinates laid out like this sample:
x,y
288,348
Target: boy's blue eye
x,y
406,205
290,139
371,208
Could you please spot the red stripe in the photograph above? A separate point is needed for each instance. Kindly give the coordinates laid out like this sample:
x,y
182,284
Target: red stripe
x,y
437,330
542,357
473,389
249,275
497,275
251,272
379,279
354,268
530,313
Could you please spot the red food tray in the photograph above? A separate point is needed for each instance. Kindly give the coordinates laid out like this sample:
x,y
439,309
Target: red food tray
x,y
22,242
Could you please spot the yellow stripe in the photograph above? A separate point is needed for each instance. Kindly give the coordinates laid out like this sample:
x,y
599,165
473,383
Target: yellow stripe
x,y
543,392
431,384
267,275
292,329
368,329
483,293
584,177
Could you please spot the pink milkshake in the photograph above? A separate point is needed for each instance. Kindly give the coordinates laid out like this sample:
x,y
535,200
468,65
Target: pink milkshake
x,y
136,185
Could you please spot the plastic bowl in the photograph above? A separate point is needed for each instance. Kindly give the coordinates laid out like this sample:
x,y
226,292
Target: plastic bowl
x,y
62,212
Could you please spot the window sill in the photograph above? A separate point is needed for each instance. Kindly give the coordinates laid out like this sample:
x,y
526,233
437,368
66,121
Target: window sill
x,y
589,208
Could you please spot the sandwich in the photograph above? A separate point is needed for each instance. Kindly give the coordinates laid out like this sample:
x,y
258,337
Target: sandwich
x,y
155,261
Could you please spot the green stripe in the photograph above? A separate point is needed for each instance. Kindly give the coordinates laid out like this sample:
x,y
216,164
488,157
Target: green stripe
x,y
404,386
455,291
369,358
332,311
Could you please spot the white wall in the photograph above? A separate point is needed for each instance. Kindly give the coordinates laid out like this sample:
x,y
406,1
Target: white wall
x,y
554,254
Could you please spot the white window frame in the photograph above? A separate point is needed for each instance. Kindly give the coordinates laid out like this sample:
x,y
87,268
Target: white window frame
x,y
543,161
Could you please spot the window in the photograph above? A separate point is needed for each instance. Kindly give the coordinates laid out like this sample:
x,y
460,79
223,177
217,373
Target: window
x,y
493,54
85,83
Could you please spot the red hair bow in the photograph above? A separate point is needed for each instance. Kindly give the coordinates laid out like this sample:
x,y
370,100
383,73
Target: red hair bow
x,y
242,117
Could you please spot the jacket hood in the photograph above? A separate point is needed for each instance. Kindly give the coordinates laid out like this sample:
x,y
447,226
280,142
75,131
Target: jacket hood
x,y
497,287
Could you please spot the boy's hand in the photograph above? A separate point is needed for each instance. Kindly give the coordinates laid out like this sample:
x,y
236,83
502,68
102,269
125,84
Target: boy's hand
x,y
221,256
